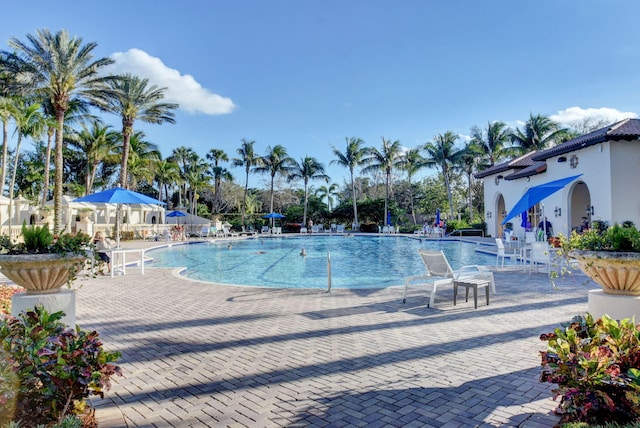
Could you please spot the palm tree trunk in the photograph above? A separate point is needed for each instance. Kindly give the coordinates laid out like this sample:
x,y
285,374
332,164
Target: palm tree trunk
x,y
5,150
355,204
470,198
244,197
386,199
271,206
47,166
304,215
126,138
59,166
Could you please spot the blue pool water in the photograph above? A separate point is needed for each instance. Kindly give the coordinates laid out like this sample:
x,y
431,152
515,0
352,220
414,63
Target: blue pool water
x,y
356,261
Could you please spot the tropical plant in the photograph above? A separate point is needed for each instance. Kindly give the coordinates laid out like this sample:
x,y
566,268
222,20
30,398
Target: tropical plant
x,y
165,172
351,158
247,159
596,365
60,68
309,168
413,162
614,238
493,142
443,154
40,240
183,156
57,367
386,160
275,162
219,173
133,99
539,133
328,192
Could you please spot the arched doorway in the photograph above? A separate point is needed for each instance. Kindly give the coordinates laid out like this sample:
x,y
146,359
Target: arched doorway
x,y
579,205
500,213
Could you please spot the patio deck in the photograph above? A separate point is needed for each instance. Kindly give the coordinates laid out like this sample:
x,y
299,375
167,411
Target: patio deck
x,y
196,354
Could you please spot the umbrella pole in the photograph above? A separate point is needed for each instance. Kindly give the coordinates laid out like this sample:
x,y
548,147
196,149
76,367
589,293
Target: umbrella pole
x,y
118,226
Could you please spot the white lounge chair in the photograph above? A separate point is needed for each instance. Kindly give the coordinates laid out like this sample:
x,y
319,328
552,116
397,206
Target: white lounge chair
x,y
438,273
333,228
502,254
265,229
303,230
204,232
340,228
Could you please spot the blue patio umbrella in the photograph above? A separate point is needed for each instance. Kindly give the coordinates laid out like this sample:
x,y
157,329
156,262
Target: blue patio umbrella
x,y
176,214
536,194
523,219
388,218
118,195
273,216
438,217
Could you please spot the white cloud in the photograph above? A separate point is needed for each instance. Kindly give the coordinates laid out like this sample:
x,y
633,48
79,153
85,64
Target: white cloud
x,y
574,115
182,89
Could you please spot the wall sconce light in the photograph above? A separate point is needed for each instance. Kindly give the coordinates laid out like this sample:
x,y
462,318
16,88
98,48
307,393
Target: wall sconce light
x,y
558,211
497,180
589,210
562,159
528,179
488,214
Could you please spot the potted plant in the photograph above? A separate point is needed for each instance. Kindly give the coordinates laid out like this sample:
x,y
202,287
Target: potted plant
x,y
610,256
43,263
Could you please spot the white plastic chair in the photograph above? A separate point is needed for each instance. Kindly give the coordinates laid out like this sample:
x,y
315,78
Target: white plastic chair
x,y
265,229
502,254
340,228
540,255
303,230
439,273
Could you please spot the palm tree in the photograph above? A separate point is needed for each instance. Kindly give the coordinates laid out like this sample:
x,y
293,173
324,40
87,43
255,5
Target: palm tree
x,y
413,162
385,160
330,191
29,123
142,154
309,168
98,142
469,159
539,133
442,153
60,68
351,158
219,173
133,99
247,159
493,141
7,111
275,162
165,172
183,156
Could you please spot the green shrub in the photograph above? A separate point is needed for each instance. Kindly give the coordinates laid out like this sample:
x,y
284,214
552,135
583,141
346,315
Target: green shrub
x,y
58,367
596,365
614,238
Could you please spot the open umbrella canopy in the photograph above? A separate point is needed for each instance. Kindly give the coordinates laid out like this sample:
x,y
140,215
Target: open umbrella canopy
x,y
176,214
536,194
118,195
437,216
273,215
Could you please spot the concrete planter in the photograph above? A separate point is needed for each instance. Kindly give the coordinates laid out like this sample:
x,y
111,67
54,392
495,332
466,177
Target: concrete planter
x,y
40,273
618,273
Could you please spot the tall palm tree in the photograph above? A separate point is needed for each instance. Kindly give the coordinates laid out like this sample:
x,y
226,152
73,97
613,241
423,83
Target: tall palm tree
x,y
493,142
386,160
60,68
275,161
183,156
539,133
98,142
309,168
165,172
29,123
443,154
133,99
351,158
7,111
328,192
413,162
142,154
219,172
247,158
469,160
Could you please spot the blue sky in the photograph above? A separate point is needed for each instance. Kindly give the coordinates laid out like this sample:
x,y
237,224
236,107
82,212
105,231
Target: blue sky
x,y
308,74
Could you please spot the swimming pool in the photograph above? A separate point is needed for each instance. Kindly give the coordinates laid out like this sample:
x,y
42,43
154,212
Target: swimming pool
x,y
356,261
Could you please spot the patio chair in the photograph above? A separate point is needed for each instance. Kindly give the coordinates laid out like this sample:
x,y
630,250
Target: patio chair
x,y
438,273
204,232
340,228
540,255
265,229
502,253
333,228
303,230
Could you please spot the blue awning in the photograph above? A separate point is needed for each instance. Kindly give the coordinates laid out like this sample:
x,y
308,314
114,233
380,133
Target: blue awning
x,y
536,194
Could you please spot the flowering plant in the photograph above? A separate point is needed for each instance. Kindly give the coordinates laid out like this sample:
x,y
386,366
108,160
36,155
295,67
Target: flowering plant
x,y
6,292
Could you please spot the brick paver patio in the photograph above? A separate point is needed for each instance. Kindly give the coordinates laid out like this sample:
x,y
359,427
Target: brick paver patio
x,y
203,355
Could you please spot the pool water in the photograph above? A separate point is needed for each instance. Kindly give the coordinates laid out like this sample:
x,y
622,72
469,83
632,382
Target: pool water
x,y
356,261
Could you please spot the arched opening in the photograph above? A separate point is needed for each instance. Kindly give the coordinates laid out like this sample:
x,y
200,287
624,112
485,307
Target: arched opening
x,y
500,213
33,219
153,219
579,205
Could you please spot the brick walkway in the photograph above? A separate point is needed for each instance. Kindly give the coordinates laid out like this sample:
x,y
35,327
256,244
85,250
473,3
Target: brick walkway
x,y
203,355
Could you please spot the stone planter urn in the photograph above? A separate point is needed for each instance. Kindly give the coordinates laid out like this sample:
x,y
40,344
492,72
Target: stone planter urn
x,y
40,273
617,272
